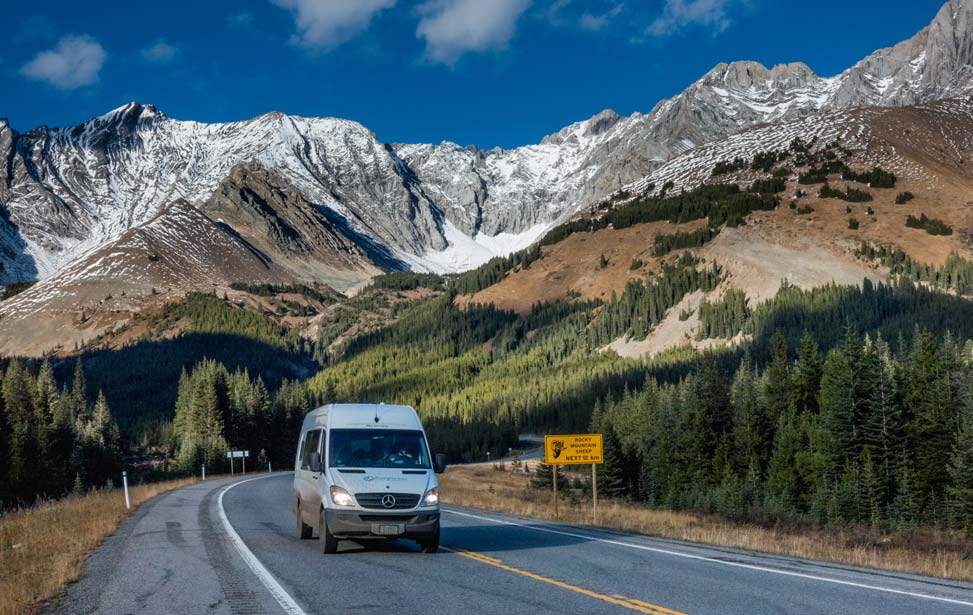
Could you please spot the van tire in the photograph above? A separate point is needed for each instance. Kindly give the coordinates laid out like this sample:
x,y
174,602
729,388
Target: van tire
x,y
430,545
304,530
326,540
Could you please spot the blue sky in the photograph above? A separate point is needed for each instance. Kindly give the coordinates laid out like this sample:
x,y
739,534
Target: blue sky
x,y
484,72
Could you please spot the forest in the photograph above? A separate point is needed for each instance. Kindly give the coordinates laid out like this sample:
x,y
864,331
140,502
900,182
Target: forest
x,y
866,433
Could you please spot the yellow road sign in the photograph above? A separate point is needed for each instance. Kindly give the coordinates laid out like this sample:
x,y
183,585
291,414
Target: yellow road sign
x,y
573,449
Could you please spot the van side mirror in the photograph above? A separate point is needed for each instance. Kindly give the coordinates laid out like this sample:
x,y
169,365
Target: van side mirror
x,y
314,462
439,464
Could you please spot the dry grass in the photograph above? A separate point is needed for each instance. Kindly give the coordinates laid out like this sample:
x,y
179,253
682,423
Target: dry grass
x,y
43,548
925,552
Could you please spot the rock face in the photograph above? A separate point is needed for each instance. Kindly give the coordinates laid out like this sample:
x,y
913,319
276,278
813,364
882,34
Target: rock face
x,y
67,191
313,242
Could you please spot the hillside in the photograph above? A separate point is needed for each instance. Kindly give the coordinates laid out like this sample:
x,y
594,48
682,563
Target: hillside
x,y
805,240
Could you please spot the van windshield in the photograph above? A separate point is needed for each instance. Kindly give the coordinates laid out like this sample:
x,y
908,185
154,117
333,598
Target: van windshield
x,y
370,448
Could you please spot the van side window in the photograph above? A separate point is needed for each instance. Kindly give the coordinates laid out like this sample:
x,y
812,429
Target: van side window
x,y
312,444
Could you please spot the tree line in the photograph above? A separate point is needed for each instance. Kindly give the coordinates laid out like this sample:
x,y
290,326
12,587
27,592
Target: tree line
x,y
866,433
52,440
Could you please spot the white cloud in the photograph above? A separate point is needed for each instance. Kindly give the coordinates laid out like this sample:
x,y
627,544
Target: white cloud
x,y
74,62
680,14
454,27
160,52
324,24
594,23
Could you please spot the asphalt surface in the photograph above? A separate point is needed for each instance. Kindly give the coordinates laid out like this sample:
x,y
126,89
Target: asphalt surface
x,y
209,549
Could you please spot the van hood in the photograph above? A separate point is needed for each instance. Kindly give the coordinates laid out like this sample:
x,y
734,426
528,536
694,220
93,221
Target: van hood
x,y
383,480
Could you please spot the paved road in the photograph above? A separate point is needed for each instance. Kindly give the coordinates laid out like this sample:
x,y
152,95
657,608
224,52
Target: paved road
x,y
214,549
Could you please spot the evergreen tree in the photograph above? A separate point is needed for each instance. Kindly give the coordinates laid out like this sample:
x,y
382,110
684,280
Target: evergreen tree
x,y
961,469
777,380
838,409
807,374
79,392
883,428
24,449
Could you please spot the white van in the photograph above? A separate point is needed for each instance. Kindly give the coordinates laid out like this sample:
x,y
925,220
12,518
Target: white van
x,y
364,471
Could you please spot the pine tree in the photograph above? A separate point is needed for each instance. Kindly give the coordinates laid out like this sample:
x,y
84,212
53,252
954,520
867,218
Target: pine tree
x,y
807,374
883,428
22,442
777,380
611,473
79,392
838,409
751,431
905,505
872,490
961,469
783,488
928,400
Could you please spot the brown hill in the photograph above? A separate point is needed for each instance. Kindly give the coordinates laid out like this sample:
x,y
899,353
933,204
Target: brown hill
x,y
929,148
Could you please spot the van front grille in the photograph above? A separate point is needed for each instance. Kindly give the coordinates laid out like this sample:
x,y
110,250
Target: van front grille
x,y
374,500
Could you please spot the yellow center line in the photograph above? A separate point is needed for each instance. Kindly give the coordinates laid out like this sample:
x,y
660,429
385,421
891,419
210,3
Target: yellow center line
x,y
622,601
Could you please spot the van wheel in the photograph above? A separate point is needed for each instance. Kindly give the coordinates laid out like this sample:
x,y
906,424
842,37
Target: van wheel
x,y
326,540
303,529
430,545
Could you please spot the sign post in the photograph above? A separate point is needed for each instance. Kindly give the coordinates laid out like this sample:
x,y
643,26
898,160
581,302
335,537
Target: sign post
x,y
576,449
554,470
242,455
594,495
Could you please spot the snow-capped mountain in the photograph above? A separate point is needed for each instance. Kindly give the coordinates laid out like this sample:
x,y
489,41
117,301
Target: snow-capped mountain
x,y
67,191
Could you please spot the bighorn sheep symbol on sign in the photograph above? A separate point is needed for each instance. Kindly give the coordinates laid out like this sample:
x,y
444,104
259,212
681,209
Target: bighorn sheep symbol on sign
x,y
557,446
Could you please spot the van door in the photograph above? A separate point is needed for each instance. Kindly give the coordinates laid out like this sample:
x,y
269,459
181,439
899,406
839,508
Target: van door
x,y
310,499
310,490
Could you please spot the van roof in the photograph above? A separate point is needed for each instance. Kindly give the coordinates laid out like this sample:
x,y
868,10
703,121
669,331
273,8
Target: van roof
x,y
344,416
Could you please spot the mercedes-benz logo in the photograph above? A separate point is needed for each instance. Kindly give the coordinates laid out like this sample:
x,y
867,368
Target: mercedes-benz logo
x,y
388,500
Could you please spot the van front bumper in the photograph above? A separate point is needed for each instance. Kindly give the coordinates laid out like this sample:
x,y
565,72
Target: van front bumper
x,y
416,525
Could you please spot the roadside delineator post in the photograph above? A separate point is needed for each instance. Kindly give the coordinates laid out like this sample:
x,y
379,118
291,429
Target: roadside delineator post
x,y
128,503
270,468
204,471
576,449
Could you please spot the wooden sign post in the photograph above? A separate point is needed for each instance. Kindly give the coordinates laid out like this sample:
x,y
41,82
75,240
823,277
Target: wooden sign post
x,y
575,449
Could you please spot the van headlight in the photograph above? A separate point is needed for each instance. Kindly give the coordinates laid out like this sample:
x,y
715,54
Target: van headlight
x,y
431,498
341,497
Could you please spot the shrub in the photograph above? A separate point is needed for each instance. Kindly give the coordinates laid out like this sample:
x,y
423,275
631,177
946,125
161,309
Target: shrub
x,y
728,166
876,178
930,225
768,186
853,224
904,197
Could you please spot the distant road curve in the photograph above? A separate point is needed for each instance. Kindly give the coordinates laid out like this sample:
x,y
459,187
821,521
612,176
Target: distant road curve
x,y
230,546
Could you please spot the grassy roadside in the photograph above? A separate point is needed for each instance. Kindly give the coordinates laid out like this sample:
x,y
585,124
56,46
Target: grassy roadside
x,y
926,552
43,548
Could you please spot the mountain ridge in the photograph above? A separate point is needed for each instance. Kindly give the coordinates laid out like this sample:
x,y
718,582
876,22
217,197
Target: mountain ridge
x,y
442,207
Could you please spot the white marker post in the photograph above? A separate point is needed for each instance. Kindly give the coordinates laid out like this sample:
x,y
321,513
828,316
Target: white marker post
x,y
204,471
270,468
128,503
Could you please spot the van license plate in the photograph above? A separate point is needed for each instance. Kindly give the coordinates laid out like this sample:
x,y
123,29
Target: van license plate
x,y
388,530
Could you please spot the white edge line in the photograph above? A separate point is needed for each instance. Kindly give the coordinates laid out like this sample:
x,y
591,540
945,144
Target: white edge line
x,y
283,598
702,558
